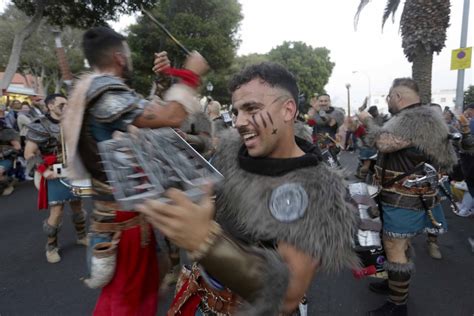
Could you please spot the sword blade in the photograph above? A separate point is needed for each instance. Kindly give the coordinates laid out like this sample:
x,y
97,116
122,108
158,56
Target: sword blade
x,y
165,30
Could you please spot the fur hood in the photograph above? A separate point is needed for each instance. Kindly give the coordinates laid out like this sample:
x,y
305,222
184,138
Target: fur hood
x,y
326,229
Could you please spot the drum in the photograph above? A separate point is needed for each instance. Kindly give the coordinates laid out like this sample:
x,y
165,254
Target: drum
x,y
82,188
59,172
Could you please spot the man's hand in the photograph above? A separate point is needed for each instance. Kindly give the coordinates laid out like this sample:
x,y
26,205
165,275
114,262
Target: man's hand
x,y
161,62
363,116
49,175
185,223
302,269
196,63
16,144
181,133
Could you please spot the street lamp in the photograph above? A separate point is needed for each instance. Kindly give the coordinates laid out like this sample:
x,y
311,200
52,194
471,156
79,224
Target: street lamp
x,y
209,88
348,87
370,88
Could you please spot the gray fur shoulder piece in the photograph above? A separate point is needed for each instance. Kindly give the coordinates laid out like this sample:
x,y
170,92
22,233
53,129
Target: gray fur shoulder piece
x,y
338,114
320,223
198,122
426,129
303,131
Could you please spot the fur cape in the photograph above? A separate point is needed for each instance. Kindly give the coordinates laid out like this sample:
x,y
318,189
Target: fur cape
x,y
425,128
327,227
198,123
73,118
303,131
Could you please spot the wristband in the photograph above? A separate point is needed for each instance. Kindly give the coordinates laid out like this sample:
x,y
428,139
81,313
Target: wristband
x,y
184,95
214,233
188,77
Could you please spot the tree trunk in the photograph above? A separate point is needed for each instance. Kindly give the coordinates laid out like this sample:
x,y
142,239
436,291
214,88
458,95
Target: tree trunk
x,y
20,37
41,88
46,84
421,73
58,83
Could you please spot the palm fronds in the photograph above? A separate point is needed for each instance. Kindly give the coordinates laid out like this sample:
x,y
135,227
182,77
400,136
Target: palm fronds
x,y
390,9
362,5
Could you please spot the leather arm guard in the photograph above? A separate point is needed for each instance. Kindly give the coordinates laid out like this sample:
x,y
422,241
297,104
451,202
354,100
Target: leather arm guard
x,y
258,275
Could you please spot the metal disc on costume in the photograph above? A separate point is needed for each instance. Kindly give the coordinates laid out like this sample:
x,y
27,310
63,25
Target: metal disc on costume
x,y
288,202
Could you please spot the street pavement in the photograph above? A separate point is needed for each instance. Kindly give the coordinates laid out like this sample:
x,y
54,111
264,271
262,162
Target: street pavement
x,y
31,286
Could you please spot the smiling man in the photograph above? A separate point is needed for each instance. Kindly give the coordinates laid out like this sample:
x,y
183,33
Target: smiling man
x,y
279,216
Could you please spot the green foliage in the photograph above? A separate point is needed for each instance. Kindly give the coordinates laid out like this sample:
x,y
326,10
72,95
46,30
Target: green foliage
x,y
221,79
38,56
82,13
312,67
208,26
469,95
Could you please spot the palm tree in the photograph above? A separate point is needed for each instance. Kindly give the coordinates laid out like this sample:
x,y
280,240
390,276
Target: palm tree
x,y
423,26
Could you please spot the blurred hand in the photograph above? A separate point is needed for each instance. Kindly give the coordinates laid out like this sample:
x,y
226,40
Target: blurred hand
x,y
363,116
185,223
196,63
49,175
181,133
161,62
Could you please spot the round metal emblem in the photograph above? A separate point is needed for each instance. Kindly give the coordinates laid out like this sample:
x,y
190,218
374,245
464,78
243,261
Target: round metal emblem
x,y
288,202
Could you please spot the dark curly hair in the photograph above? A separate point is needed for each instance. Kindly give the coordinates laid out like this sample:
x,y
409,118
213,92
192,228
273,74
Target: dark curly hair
x,y
272,73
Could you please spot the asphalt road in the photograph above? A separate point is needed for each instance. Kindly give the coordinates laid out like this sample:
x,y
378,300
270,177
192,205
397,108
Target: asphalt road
x,y
31,286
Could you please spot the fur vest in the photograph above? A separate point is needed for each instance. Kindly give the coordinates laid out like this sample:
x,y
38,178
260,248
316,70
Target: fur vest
x,y
326,227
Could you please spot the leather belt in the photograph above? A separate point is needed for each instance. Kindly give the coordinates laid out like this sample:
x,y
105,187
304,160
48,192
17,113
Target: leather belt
x,y
220,302
118,227
106,205
398,186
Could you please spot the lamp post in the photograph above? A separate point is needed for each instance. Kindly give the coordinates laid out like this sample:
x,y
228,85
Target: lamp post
x,y
209,88
348,87
368,80
460,82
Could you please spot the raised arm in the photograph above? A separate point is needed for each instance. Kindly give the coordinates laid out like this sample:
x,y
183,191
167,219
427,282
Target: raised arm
x,y
179,101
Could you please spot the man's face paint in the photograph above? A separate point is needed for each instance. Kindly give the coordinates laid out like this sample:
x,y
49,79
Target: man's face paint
x,y
259,116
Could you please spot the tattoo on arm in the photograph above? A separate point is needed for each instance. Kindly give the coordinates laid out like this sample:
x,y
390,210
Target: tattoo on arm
x,y
388,143
149,115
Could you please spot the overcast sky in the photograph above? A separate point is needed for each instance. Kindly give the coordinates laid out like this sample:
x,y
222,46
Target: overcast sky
x,y
267,23
329,23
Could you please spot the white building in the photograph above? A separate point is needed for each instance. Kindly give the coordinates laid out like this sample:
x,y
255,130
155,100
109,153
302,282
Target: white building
x,y
442,97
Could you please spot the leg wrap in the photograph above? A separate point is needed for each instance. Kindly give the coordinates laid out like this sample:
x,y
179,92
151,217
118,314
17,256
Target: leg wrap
x,y
52,233
79,220
399,275
432,237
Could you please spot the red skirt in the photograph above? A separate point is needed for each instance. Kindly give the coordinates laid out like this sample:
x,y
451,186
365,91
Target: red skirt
x,y
134,287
